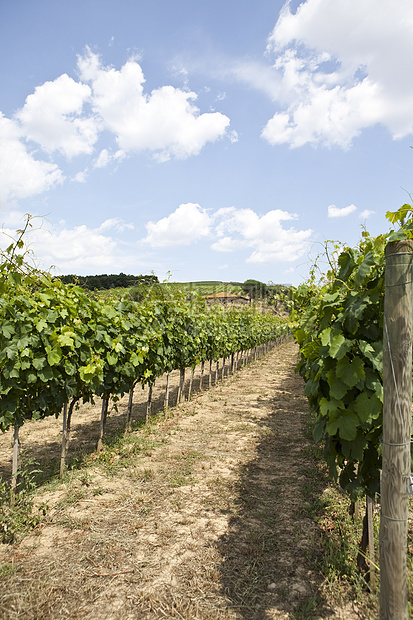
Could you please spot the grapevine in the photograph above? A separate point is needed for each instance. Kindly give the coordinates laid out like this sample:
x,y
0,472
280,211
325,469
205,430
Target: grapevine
x,y
58,345
339,328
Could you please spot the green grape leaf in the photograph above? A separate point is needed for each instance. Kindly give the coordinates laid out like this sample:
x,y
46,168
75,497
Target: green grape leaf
x,y
351,371
112,358
53,355
337,343
367,408
345,424
7,329
41,325
338,389
39,362
318,429
365,268
66,339
330,406
45,375
354,449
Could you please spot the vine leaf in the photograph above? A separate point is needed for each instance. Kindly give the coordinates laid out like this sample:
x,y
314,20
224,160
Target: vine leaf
x,y
367,408
338,389
345,423
351,371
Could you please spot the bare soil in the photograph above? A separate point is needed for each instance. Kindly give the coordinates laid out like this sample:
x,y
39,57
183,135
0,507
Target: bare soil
x,y
203,514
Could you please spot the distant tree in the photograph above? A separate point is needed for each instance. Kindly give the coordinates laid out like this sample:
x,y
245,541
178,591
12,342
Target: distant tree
x,y
254,289
105,281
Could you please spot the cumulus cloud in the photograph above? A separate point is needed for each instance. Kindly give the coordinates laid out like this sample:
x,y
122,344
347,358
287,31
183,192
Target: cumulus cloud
x,y
21,175
77,249
366,214
67,117
343,68
103,159
81,177
53,117
334,211
165,121
263,236
115,223
188,223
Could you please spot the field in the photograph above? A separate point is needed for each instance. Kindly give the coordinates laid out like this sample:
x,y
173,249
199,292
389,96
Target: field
x,y
202,288
219,509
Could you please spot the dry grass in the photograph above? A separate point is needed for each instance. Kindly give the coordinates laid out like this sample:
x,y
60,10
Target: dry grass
x,y
202,515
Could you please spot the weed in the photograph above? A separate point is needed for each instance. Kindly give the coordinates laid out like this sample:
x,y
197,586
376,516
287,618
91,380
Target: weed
x,y
307,610
6,570
17,516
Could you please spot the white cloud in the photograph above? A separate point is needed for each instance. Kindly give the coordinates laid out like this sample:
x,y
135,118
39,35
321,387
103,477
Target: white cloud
x,y
263,236
115,223
165,121
334,211
67,117
81,177
188,223
103,159
228,244
366,214
53,117
78,250
21,175
343,68
256,74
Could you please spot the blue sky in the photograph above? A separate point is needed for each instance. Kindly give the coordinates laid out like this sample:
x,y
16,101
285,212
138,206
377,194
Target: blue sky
x,y
219,140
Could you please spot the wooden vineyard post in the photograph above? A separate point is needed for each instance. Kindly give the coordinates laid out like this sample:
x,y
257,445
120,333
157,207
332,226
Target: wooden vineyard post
x,y
190,383
129,409
397,407
149,404
15,463
370,538
166,402
202,376
180,396
103,416
64,439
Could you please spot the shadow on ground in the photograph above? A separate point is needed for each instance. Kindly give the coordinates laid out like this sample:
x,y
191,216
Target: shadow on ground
x,y
272,546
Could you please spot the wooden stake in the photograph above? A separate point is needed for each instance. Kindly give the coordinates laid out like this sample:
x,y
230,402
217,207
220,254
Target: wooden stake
x,y
149,404
166,403
397,403
179,396
129,409
190,383
66,434
15,462
103,416
64,437
202,376
372,569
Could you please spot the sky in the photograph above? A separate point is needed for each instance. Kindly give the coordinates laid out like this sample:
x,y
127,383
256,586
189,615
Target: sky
x,y
220,140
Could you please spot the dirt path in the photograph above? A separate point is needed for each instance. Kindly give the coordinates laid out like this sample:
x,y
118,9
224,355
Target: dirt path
x,y
200,516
